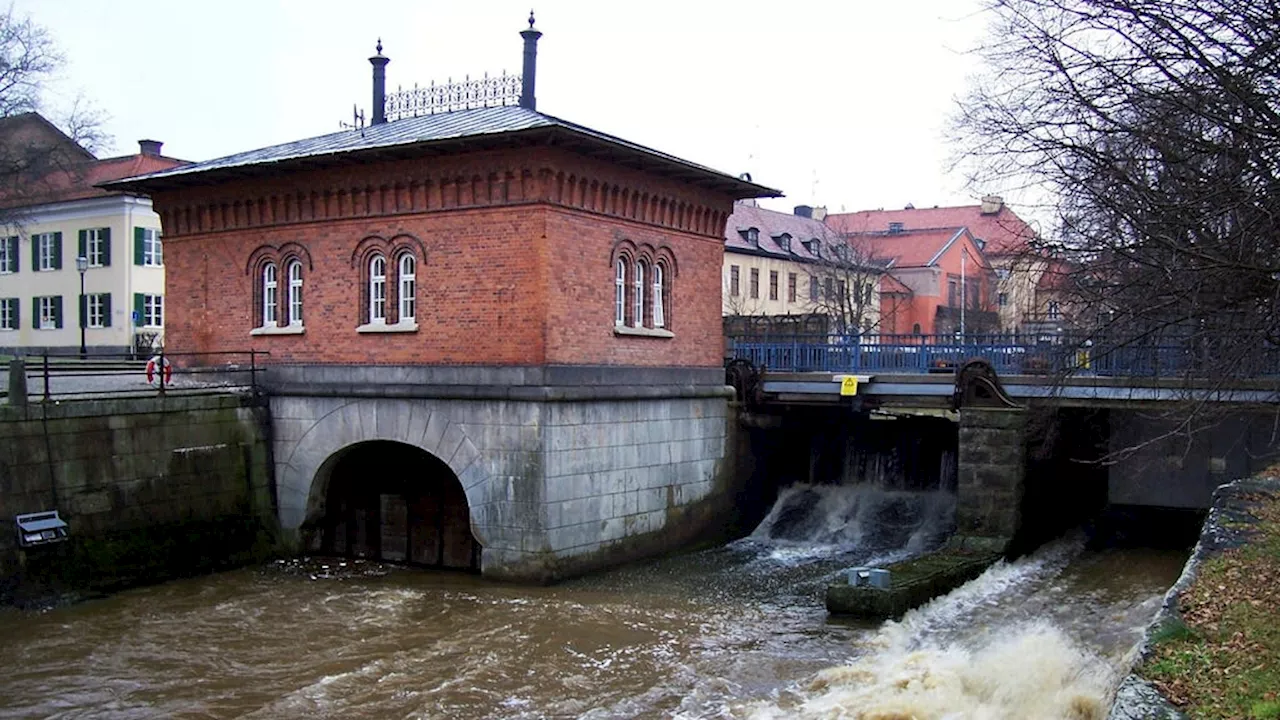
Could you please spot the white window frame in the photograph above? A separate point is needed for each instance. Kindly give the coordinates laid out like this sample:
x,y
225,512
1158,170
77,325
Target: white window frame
x,y
620,293
153,311
378,290
295,293
407,278
1054,311
5,260
270,293
44,252
659,314
638,304
152,250
48,313
93,247
96,311
7,319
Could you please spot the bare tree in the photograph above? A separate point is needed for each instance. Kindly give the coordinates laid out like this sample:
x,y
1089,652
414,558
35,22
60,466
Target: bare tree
x,y
1154,126
31,152
847,275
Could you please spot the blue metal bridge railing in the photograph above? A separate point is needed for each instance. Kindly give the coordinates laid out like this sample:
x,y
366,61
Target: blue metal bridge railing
x,y
1009,355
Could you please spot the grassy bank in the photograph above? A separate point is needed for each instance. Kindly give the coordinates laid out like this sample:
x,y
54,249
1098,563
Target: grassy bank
x,y
1223,659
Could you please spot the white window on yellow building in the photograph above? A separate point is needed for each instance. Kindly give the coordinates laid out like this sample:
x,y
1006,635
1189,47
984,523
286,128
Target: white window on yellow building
x,y
9,255
147,250
95,246
46,251
9,310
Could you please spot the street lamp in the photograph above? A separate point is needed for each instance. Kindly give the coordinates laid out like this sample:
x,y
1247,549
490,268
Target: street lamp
x,y
82,264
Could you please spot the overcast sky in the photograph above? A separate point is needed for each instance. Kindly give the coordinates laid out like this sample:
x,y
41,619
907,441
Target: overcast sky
x,y
836,103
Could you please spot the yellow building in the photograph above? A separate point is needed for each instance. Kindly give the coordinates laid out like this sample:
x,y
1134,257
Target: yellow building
x,y
59,218
790,272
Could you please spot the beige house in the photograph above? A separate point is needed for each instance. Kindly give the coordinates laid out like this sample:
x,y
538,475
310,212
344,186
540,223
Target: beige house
x,y
62,217
789,272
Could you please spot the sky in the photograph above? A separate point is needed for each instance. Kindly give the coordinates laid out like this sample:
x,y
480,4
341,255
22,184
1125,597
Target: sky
x,y
843,103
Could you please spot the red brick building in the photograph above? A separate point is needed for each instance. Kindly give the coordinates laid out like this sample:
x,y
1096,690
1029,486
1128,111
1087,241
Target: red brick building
x,y
530,304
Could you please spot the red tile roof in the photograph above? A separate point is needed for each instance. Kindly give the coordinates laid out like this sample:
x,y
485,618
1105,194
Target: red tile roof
x,y
1003,231
79,181
909,248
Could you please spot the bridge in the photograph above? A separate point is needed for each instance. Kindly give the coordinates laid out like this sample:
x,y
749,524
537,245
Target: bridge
x,y
1045,430
919,369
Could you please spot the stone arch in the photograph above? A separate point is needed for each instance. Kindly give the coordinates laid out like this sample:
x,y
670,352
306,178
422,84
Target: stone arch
x,y
302,485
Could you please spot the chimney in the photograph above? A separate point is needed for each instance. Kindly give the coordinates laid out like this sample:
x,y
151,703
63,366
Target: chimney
x,y
803,211
820,213
991,204
379,63
149,147
527,99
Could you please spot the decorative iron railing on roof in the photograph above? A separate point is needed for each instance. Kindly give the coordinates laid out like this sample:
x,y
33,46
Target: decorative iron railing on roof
x,y
497,91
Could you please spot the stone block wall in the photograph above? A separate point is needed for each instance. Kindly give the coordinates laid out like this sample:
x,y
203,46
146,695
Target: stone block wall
x,y
563,472
990,468
150,487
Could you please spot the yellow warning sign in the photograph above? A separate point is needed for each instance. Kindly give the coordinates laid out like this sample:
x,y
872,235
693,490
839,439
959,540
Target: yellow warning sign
x,y
849,385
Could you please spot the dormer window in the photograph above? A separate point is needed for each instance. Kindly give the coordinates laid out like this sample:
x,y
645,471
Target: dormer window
x,y
753,236
784,242
896,227
813,246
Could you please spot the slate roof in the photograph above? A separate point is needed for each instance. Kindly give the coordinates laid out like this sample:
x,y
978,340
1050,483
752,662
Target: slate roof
x,y
1002,232
499,125
771,225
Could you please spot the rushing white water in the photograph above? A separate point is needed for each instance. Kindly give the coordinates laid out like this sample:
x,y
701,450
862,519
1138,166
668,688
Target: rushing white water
x,y
993,649
820,518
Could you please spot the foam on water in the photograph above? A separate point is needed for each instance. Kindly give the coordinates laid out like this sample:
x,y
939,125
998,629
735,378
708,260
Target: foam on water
x,y
1030,671
937,663
815,520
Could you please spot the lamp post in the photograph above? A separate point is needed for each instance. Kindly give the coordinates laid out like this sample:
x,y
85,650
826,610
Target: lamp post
x,y
82,264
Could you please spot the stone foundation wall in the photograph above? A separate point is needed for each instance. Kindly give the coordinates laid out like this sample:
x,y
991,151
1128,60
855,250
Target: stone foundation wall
x,y
990,467
151,488
560,478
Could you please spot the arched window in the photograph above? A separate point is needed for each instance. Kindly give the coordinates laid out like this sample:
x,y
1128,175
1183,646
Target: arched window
x,y
295,293
659,317
620,293
915,329
408,285
378,289
638,319
269,294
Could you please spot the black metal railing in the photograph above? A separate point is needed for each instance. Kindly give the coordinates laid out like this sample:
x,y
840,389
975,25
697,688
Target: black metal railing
x,y
51,376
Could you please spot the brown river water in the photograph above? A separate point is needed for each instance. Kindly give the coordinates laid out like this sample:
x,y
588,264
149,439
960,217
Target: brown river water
x,y
734,632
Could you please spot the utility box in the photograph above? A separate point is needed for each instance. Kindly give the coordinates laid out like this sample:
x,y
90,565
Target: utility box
x,y
41,528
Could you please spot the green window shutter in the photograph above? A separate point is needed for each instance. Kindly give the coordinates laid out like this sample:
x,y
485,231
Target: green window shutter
x,y
35,254
106,310
84,311
57,252
83,244
138,236
35,313
17,313
57,312
138,301
106,247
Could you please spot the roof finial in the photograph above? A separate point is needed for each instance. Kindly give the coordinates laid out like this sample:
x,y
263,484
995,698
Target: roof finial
x,y
379,46
530,17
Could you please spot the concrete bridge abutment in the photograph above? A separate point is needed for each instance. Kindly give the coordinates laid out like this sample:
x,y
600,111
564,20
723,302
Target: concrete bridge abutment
x,y
564,469
990,474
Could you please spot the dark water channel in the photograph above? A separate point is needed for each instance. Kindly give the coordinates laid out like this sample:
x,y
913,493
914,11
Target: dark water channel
x,y
738,631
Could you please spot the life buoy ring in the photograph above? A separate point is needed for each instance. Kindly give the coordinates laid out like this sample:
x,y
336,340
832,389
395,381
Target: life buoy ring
x,y
153,377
